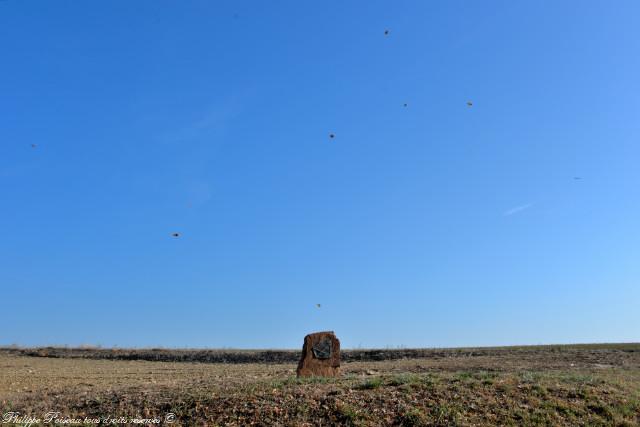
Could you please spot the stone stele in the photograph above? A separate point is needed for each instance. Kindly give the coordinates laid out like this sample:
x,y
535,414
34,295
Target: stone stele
x,y
320,356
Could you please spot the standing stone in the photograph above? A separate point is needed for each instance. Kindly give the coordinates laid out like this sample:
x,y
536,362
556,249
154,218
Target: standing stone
x,y
320,355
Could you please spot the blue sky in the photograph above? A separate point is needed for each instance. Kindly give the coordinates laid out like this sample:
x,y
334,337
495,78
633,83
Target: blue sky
x,y
434,224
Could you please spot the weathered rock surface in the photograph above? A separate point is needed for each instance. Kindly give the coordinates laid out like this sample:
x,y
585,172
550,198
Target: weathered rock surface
x,y
320,356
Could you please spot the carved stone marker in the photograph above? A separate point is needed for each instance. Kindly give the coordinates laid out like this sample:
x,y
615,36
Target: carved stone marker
x,y
320,355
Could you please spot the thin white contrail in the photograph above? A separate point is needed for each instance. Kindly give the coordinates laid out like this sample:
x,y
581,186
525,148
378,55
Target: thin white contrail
x,y
518,209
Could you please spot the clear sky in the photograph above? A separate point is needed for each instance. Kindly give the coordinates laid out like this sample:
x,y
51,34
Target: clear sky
x,y
434,224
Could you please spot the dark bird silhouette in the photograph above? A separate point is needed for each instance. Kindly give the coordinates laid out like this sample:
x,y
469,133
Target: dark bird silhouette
x,y
469,104
331,135
175,234
405,104
386,32
318,305
33,145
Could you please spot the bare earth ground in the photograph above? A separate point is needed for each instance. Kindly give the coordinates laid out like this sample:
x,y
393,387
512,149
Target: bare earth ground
x,y
538,385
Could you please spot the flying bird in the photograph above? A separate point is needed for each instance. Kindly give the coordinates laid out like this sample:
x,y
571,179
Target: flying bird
x,y
33,145
318,305
405,104
386,32
469,104
331,135
175,234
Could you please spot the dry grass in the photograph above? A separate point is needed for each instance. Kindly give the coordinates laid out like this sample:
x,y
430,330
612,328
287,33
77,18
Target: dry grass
x,y
541,386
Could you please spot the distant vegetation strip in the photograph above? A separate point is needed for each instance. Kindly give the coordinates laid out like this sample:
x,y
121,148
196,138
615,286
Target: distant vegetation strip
x,y
292,356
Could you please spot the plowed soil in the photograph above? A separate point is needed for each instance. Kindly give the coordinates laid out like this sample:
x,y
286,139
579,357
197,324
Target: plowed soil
x,y
538,385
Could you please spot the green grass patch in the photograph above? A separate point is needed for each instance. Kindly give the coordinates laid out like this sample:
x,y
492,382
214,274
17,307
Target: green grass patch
x,y
370,384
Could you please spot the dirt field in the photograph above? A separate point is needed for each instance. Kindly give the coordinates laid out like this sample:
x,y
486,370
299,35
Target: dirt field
x,y
554,385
